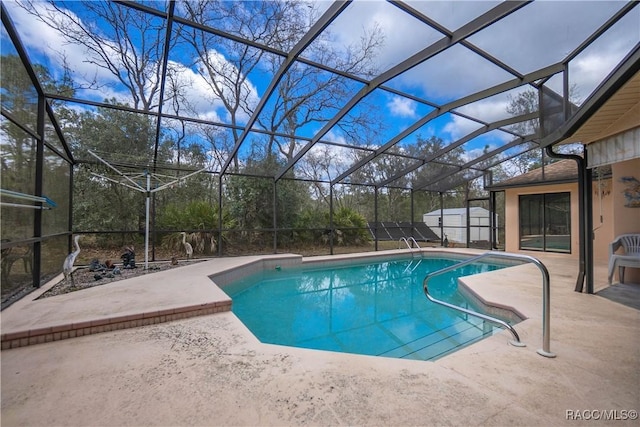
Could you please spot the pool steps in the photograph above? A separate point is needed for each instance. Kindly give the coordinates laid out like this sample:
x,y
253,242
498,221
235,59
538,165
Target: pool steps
x,y
546,305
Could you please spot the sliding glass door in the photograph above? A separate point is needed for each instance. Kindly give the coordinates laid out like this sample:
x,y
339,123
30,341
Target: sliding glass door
x,y
545,222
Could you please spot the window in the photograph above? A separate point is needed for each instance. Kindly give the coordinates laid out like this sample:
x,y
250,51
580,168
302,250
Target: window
x,y
545,222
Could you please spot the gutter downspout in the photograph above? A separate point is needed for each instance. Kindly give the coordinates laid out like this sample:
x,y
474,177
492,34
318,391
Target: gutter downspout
x,y
585,220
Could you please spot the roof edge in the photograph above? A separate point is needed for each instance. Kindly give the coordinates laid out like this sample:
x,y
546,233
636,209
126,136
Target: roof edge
x,y
627,68
499,187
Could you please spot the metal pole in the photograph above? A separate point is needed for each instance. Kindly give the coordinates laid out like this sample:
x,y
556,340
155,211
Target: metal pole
x,y
492,220
375,214
588,223
516,342
39,175
146,228
275,216
442,236
153,225
331,219
546,304
468,224
220,215
29,197
19,205
412,213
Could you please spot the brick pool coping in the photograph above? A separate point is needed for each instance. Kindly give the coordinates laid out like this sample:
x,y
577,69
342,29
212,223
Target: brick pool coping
x,y
72,330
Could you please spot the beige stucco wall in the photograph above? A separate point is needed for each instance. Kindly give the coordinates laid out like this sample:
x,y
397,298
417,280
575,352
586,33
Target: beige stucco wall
x,y
512,214
625,219
603,219
610,215
602,208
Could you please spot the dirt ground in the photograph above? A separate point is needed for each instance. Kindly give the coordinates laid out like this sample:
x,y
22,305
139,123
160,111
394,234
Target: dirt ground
x,y
85,277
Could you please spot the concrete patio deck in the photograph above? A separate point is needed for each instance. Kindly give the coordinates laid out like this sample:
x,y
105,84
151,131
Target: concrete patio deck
x,y
190,361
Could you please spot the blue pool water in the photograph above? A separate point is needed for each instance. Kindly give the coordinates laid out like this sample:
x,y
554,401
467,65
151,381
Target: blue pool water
x,y
374,309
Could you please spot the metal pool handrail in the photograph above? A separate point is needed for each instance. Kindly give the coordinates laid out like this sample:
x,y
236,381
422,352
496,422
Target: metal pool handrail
x,y
545,351
515,342
406,241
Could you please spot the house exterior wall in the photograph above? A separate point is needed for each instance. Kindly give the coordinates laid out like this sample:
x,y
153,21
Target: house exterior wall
x,y
512,213
603,220
625,219
602,207
610,215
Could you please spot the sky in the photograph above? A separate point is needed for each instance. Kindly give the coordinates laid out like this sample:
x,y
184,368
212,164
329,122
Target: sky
x,y
531,38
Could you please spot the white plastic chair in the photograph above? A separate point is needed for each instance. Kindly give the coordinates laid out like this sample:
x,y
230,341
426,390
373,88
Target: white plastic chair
x,y
631,257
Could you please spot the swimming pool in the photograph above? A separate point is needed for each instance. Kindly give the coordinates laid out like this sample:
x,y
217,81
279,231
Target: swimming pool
x,y
374,308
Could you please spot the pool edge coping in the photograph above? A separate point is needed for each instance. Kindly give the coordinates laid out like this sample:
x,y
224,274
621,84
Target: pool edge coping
x,y
243,266
459,253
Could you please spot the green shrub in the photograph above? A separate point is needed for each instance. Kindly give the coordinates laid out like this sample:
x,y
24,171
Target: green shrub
x,y
350,227
198,219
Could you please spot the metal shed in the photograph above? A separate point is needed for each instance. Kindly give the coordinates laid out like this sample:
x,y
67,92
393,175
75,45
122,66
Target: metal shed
x,y
453,223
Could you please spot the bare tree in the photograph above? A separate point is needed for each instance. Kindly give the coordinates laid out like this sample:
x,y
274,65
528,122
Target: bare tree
x,y
524,103
323,163
225,64
307,94
128,43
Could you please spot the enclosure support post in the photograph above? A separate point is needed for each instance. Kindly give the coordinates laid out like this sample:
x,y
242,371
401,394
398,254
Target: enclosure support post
x,y
375,215
275,216
70,213
220,215
153,227
588,223
412,215
146,225
37,217
331,230
468,224
492,220
442,236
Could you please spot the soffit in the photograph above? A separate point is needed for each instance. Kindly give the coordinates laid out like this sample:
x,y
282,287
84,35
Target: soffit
x,y
620,113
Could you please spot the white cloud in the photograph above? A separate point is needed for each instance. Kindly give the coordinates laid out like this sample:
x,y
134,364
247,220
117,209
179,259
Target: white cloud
x,y
402,36
537,35
192,87
588,70
48,46
458,127
477,152
335,137
488,110
230,71
544,32
402,107
44,40
324,161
